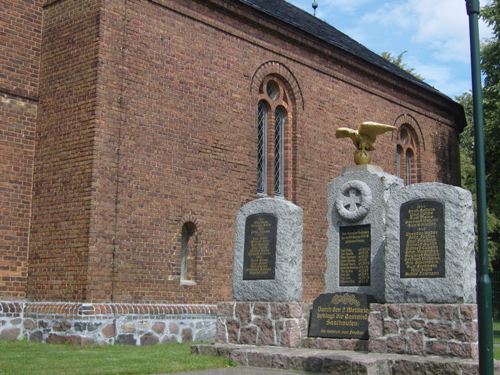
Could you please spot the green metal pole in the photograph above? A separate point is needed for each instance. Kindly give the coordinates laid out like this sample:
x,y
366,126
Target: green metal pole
x,y
484,287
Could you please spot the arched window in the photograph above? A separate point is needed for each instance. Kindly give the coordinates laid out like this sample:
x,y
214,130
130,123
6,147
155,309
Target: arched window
x,y
188,253
409,166
261,147
407,148
399,153
274,156
279,127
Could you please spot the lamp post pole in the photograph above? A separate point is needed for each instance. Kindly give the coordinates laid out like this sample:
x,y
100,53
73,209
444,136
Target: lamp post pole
x,y
484,281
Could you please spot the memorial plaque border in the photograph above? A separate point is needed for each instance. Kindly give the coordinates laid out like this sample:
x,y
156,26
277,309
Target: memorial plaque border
x,y
368,242
334,313
272,244
441,243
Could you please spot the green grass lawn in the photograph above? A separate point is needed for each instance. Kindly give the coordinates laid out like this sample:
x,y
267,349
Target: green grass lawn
x,y
22,357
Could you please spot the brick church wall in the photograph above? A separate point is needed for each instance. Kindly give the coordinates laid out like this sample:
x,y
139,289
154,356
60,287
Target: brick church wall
x,y
148,121
177,142
64,151
20,25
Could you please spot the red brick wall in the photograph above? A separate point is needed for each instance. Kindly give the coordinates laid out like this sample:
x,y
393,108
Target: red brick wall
x,y
148,120
20,22
20,38
64,151
179,125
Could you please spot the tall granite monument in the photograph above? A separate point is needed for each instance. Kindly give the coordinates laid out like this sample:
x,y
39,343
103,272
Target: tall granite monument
x,y
357,201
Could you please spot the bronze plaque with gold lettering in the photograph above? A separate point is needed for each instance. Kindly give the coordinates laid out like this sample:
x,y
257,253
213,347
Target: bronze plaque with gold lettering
x,y
340,315
422,239
259,258
354,254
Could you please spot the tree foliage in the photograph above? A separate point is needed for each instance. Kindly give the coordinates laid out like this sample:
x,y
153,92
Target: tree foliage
x,y
398,61
467,136
468,176
490,65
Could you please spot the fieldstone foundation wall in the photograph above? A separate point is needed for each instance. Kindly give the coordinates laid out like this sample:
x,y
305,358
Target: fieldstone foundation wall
x,y
419,329
11,320
424,329
133,324
262,323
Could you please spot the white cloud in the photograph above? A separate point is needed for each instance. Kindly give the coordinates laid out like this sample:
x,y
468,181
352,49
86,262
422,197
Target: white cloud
x,y
388,15
440,25
438,74
442,77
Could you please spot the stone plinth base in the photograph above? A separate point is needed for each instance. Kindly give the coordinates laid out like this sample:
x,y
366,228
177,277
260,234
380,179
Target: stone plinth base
x,y
424,329
335,344
88,323
262,323
447,330
344,362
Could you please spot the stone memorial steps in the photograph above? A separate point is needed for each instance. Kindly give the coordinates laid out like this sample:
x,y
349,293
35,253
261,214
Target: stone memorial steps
x,y
341,362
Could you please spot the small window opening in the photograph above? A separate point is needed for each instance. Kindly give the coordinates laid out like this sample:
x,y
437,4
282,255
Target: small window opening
x,y
188,253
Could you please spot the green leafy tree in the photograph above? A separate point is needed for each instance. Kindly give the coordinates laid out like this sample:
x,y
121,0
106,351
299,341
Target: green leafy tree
x,y
490,65
467,136
398,61
468,175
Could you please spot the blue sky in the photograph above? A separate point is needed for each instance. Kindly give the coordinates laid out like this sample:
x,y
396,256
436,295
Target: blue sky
x,y
435,34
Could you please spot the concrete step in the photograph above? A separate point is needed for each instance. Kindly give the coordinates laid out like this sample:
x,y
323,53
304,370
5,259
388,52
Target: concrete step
x,y
242,371
341,362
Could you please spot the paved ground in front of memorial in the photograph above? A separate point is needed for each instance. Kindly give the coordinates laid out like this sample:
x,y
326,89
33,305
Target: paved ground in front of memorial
x,y
242,371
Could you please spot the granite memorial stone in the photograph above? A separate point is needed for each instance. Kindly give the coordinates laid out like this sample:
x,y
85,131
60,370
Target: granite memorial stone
x,y
356,230
430,245
267,264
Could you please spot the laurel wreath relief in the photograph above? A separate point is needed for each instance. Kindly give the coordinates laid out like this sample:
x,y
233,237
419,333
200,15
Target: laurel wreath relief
x,y
354,200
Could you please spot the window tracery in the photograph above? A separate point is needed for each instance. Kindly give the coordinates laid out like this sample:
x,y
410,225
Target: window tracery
x,y
407,155
274,142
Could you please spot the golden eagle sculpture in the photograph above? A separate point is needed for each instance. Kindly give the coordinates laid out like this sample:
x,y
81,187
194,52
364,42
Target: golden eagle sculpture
x,y
364,138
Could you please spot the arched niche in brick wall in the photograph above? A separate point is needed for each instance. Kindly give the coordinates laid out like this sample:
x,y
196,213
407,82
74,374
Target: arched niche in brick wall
x,y
187,249
189,252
